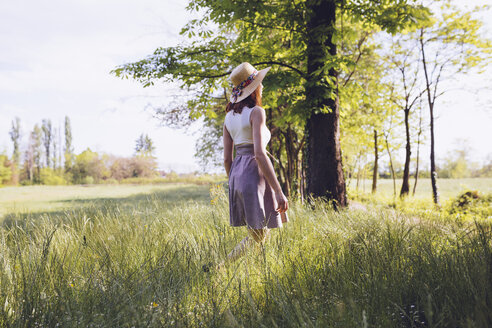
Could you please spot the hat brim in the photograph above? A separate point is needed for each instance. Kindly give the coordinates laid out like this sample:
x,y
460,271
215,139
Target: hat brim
x,y
251,87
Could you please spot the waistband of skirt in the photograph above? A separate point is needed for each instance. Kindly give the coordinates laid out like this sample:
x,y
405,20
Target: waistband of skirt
x,y
245,149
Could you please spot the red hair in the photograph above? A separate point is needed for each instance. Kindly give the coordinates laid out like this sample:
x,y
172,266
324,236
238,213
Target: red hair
x,y
250,101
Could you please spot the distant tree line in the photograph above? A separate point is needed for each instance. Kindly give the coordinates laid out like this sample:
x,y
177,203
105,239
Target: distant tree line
x,y
46,160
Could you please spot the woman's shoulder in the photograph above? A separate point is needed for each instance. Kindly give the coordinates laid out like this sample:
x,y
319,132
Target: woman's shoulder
x,y
257,114
258,110
227,117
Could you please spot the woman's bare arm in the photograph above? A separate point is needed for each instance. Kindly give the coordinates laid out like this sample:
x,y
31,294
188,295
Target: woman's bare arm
x,y
228,150
258,119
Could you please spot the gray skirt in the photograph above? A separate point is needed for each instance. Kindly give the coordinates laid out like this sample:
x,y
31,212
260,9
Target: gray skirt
x,y
251,199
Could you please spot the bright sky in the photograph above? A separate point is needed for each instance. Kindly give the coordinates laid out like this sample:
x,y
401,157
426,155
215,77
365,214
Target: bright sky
x,y
55,58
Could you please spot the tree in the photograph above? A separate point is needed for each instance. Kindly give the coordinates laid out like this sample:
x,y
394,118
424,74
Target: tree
x,y
376,159
457,163
15,136
405,61
450,45
68,145
324,160
144,146
365,105
55,146
89,167
5,169
32,160
274,34
47,139
143,167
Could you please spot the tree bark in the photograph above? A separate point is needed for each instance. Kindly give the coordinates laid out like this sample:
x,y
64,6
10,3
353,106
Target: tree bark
x,y
298,161
405,187
283,176
435,192
289,136
325,177
376,157
303,176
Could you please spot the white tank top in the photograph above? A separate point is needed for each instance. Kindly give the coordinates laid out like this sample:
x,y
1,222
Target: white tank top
x,y
240,129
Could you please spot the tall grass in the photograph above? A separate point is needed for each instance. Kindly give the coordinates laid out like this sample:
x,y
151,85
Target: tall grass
x,y
136,262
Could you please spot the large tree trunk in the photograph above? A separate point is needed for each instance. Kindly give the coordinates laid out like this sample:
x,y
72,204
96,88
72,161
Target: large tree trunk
x,y
405,187
375,170
324,161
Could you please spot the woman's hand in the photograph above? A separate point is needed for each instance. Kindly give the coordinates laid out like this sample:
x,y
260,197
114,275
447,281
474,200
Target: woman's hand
x,y
283,203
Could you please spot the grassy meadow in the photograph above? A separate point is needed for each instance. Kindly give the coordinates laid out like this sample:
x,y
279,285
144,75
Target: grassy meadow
x,y
132,256
447,188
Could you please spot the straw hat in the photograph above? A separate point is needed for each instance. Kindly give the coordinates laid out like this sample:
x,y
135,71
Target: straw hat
x,y
245,79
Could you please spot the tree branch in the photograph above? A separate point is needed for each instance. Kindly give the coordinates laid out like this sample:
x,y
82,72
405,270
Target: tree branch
x,y
284,65
359,44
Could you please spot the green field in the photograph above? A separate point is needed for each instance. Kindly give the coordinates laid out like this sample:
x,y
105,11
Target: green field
x,y
447,187
131,256
49,198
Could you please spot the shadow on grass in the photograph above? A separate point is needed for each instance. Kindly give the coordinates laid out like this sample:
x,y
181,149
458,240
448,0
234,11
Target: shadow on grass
x,y
86,206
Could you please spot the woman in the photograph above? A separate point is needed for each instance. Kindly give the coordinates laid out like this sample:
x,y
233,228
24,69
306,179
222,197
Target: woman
x,y
256,199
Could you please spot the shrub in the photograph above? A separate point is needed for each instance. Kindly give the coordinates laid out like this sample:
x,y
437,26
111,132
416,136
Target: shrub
x,y
5,169
89,164
49,177
471,203
88,180
109,181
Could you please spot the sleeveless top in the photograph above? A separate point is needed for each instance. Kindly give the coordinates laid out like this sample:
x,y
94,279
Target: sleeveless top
x,y
240,128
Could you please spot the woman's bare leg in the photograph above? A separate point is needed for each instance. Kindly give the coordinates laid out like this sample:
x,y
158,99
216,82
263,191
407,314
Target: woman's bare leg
x,y
259,235
239,250
256,236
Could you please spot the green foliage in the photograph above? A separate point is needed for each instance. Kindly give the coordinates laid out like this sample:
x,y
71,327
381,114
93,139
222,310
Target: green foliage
x,y
471,204
5,169
485,171
15,136
68,153
455,168
88,168
264,33
47,137
457,163
32,160
50,176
